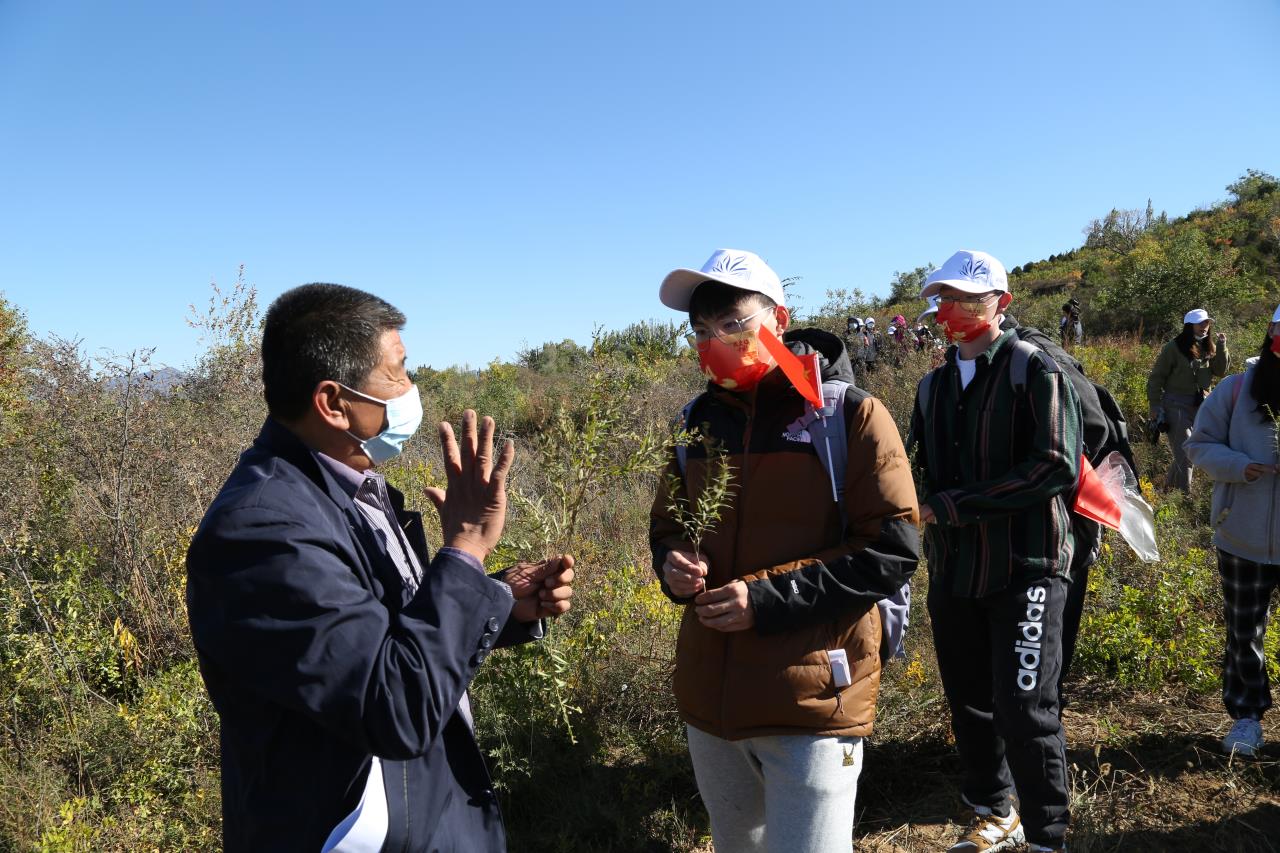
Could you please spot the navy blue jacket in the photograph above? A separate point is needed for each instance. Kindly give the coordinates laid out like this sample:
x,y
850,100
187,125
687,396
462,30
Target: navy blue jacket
x,y
317,659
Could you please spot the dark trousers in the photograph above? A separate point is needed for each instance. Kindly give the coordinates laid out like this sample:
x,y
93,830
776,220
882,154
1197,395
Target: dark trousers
x,y
1000,658
1246,594
1072,613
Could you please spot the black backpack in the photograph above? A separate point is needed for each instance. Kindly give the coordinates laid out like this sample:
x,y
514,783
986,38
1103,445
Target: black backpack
x,y
1103,425
1105,428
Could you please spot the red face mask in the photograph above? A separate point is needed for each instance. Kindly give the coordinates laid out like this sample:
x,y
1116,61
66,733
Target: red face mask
x,y
737,364
960,323
1275,344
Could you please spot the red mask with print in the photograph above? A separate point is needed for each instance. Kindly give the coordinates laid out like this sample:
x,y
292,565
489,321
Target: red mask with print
x,y
736,364
960,323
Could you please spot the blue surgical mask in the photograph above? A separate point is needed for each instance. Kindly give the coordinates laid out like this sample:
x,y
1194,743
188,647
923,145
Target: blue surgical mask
x,y
404,416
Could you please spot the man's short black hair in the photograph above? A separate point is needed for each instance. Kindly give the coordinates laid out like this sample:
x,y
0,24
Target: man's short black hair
x,y
713,298
317,332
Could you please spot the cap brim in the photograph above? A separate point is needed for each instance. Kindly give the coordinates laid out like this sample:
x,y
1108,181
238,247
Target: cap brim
x,y
677,288
961,284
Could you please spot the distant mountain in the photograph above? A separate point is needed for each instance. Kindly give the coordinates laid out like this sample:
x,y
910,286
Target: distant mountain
x,y
154,379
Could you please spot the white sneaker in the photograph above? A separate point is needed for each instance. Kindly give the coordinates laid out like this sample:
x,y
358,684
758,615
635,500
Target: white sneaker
x,y
1245,738
988,832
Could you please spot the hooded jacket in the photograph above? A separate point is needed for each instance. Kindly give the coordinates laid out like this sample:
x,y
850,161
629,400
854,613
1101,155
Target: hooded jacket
x,y
813,577
1229,433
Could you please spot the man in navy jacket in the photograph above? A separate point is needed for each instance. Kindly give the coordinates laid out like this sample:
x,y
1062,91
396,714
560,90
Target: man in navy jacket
x,y
335,649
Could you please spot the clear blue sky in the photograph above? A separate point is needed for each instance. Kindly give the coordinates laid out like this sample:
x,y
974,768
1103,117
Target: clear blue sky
x,y
515,173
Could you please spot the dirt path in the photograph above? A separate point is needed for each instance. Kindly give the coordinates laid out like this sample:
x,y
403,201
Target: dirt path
x,y
1147,775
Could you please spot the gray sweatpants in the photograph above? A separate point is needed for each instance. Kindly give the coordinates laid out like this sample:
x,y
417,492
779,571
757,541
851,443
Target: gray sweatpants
x,y
780,794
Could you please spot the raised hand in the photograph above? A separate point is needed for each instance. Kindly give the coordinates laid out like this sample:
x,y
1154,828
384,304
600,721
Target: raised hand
x,y
473,509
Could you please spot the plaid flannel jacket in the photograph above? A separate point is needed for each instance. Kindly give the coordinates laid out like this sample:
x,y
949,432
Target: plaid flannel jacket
x,y
999,467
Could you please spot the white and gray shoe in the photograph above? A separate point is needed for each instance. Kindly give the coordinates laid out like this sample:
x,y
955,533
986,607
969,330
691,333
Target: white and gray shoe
x,y
1245,738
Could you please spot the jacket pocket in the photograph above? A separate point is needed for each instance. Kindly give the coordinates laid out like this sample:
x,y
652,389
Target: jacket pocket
x,y
1242,518
1221,506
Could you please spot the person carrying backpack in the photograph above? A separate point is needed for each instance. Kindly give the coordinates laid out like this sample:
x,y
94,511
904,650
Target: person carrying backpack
x,y
1234,440
778,656
1180,380
999,465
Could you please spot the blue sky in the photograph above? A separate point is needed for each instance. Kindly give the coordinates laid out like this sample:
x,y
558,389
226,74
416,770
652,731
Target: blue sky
x,y
514,173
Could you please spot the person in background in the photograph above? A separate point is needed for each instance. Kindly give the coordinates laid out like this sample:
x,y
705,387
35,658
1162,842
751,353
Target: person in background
x,y
874,344
898,329
1233,440
1070,329
897,339
856,343
1180,380
926,338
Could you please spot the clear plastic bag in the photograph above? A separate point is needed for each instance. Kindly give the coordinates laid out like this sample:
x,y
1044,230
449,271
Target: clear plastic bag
x,y
1137,520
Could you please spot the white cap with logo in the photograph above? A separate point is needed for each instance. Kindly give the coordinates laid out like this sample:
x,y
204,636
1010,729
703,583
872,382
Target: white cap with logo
x,y
1196,315
734,267
967,271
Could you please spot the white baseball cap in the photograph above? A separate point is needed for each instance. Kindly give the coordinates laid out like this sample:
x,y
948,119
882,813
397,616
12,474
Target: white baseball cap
x,y
932,309
967,271
734,267
1275,318
870,321
1196,315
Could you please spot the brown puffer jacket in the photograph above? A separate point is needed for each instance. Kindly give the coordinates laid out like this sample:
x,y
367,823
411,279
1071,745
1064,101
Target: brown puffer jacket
x,y
813,581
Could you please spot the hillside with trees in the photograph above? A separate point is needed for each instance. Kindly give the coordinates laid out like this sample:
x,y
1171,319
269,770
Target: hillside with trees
x,y
110,742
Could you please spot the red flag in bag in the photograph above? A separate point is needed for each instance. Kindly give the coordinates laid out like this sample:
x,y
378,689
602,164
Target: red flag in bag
x,y
1092,498
1110,496
802,371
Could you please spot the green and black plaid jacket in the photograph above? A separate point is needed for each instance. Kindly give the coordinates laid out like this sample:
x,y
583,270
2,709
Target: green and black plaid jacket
x,y
999,469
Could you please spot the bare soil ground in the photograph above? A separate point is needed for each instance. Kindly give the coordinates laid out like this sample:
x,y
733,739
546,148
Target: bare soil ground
x,y
1147,773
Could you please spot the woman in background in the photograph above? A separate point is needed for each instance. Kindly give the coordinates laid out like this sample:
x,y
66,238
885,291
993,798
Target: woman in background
x,y
1180,381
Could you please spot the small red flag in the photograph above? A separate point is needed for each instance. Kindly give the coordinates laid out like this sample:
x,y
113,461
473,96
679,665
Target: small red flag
x,y
1092,498
803,372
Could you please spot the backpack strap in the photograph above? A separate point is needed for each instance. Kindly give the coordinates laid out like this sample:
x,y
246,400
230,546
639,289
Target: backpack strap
x,y
830,439
1020,360
831,442
922,392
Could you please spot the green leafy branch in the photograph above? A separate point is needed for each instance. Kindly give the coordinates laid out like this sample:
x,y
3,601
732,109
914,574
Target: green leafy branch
x,y
699,516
